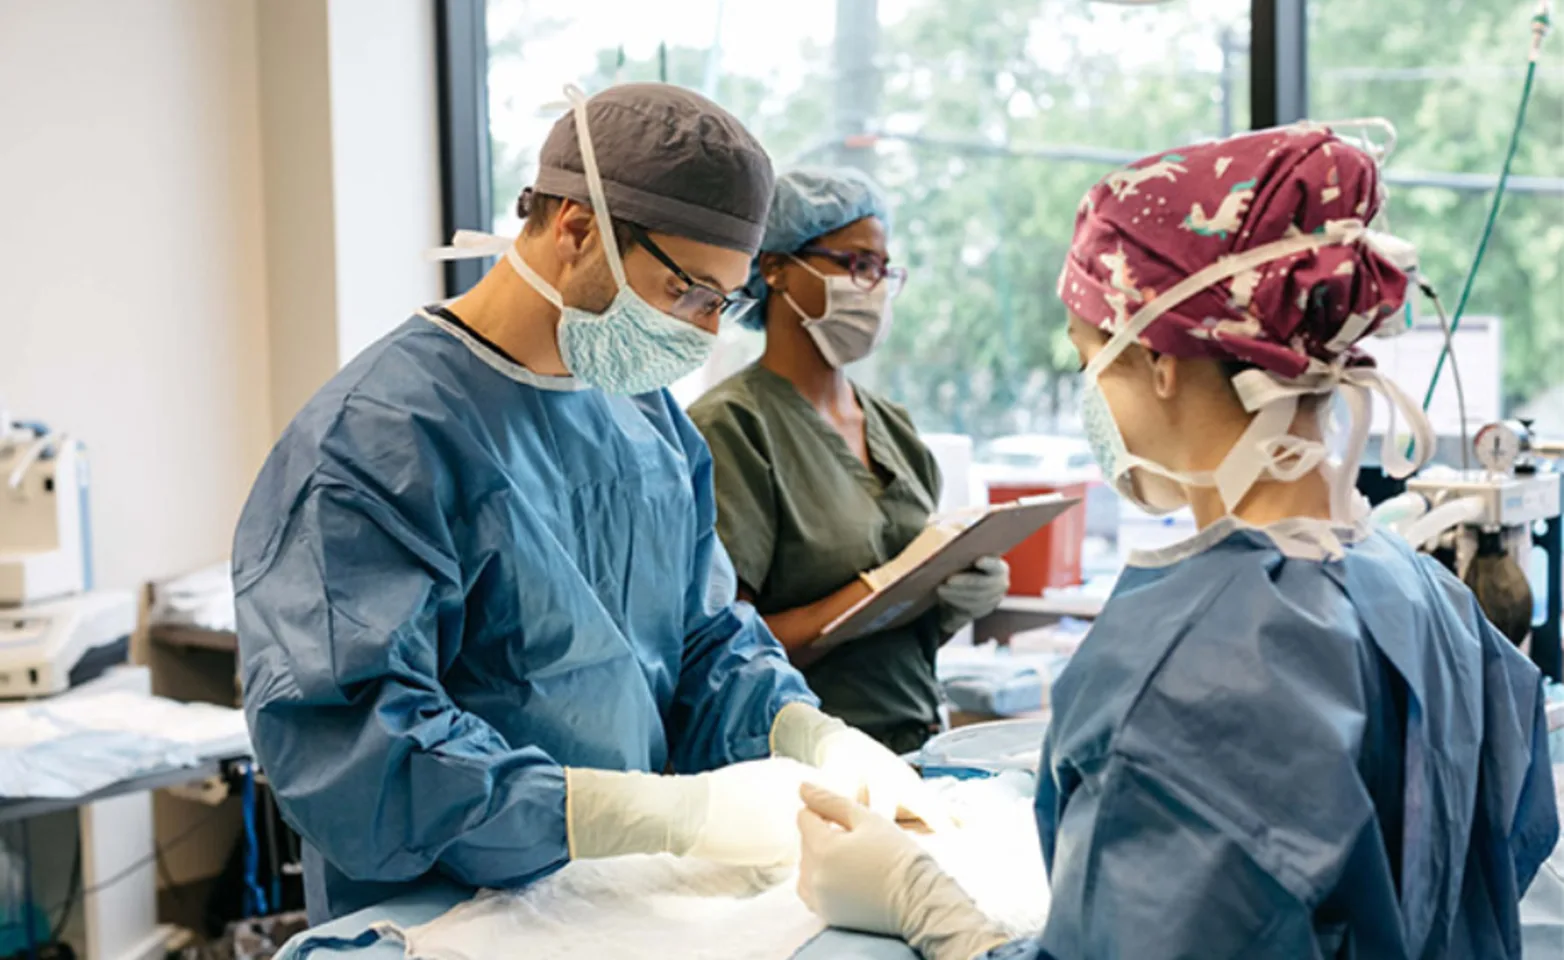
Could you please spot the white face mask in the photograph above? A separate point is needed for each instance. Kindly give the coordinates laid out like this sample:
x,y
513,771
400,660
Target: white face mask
x,y
1266,449
855,321
1115,459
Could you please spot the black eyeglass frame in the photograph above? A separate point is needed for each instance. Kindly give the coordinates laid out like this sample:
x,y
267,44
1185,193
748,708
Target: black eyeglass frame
x,y
698,299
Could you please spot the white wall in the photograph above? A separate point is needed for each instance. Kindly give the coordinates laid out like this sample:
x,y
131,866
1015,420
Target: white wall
x,y
132,261
351,158
295,84
385,133
206,207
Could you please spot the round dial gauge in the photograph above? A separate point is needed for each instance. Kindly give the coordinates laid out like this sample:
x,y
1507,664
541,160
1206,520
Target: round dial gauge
x,y
1497,447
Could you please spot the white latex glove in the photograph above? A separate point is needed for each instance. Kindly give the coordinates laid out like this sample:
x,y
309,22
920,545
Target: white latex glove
x,y
744,814
856,764
923,546
861,872
973,594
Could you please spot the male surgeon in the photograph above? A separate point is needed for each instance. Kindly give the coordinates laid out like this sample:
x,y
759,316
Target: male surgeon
x,y
485,623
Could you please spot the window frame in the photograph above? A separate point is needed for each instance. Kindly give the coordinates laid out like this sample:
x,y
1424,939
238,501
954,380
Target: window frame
x,y
1278,94
1278,62
1278,87
462,89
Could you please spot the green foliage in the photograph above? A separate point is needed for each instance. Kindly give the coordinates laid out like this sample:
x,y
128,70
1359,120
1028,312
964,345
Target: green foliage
x,y
1454,107
512,160
980,344
971,94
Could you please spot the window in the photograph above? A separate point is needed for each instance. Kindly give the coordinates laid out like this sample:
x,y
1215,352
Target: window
x,y
986,122
1451,83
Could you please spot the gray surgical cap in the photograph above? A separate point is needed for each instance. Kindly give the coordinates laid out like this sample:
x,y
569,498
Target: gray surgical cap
x,y
672,162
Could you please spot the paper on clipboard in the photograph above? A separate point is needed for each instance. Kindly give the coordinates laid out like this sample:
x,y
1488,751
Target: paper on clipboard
x,y
990,533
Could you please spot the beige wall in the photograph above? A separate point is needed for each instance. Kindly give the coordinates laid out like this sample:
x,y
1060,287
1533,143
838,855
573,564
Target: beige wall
x,y
132,261
295,117
206,207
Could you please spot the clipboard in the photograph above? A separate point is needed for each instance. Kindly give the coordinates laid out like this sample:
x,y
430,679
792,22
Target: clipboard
x,y
999,530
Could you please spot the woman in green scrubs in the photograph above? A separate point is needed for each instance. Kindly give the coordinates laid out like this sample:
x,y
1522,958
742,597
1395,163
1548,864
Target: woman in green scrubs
x,y
821,483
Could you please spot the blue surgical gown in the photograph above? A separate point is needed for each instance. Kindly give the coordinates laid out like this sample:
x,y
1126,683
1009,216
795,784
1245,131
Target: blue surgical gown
x,y
454,578
1258,755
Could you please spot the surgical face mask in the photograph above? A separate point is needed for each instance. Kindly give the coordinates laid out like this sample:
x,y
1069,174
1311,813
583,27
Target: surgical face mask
x,y
856,320
631,347
1114,458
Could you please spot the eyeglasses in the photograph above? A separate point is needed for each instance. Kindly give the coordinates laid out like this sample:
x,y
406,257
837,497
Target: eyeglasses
x,y
868,270
699,302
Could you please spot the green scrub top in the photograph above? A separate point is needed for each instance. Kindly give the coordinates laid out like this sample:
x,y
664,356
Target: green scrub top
x,y
802,517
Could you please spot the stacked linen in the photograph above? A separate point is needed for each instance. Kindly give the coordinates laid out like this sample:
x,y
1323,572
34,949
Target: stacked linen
x,y
75,744
995,681
203,600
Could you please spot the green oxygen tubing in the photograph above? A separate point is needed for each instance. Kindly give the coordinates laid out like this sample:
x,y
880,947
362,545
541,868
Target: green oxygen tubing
x,y
1540,24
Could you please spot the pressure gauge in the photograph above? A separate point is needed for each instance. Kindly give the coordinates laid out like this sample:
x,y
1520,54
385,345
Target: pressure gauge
x,y
1497,447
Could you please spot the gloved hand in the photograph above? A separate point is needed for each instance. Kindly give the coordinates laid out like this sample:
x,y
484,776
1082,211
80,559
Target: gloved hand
x,y
862,872
744,814
923,545
972,594
854,763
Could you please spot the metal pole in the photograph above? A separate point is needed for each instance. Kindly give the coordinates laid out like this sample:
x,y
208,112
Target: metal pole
x,y
1006,386
1226,38
466,181
714,56
1547,650
1278,62
857,100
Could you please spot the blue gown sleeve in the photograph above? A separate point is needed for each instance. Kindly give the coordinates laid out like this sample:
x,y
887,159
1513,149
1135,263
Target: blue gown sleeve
x,y
734,676
340,620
